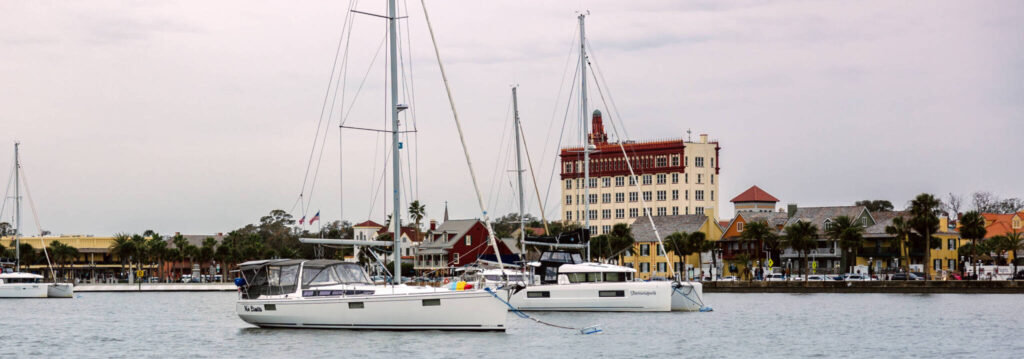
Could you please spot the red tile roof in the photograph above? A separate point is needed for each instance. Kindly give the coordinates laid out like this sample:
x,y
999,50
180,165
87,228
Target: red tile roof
x,y
1000,224
368,223
755,194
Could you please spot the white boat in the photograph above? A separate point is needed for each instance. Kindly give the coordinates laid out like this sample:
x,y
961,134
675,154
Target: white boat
x,y
22,285
337,294
60,290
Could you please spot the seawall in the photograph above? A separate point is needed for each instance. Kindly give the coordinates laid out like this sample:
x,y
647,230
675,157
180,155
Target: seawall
x,y
962,287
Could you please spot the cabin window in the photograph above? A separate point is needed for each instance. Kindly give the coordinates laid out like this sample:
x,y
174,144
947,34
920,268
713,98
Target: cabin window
x,y
584,277
355,305
614,277
431,302
270,307
538,294
611,293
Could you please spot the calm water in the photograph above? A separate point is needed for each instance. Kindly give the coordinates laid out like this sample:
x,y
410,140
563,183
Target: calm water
x,y
742,325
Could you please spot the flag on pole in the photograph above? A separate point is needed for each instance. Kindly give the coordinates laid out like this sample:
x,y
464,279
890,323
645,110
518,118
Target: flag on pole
x,y
303,220
315,217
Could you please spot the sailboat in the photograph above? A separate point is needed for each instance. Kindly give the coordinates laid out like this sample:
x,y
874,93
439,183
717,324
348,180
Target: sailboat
x,y
13,283
336,294
565,282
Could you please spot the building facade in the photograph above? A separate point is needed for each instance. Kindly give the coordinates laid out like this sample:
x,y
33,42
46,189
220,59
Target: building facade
x,y
649,260
673,177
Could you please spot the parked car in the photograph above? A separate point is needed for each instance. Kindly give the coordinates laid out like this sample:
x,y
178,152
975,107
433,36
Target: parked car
x,y
919,275
816,278
954,276
728,278
903,276
856,278
775,277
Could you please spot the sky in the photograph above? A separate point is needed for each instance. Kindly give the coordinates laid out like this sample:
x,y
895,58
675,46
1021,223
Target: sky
x,y
200,117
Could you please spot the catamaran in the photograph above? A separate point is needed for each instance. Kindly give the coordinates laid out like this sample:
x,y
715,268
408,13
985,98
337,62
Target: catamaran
x,y
335,294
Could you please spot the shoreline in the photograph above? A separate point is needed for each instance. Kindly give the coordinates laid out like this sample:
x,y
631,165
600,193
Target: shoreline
x,y
156,287
899,287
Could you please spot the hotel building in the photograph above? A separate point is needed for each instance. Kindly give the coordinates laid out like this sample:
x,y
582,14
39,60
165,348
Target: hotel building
x,y
675,177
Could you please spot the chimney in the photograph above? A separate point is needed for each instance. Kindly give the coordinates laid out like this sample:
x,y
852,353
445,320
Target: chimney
x,y
597,135
433,224
943,223
710,212
703,138
791,210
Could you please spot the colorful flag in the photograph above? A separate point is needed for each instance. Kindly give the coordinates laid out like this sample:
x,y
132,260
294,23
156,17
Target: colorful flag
x,y
302,221
315,217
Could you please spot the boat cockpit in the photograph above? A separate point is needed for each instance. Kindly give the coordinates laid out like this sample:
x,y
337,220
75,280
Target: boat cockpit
x,y
281,277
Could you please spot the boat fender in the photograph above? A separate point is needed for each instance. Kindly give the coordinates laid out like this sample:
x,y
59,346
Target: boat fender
x,y
239,282
446,280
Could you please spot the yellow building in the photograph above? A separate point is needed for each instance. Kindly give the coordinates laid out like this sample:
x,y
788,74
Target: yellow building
x,y
882,256
650,262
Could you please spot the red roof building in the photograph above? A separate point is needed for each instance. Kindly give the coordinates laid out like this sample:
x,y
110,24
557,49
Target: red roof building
x,y
754,199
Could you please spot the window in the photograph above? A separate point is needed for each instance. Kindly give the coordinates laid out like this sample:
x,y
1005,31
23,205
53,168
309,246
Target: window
x,y
662,196
645,249
593,215
632,180
827,224
675,160
469,242
606,214
593,183
355,305
633,213
568,215
432,302
687,210
938,264
645,267
661,161
593,229
662,267
712,178
1016,223
686,161
712,161
455,258
620,197
698,210
611,293
675,194
951,244
633,197
647,179
606,229
699,179
538,294
686,194
662,211
568,199
647,196
568,184
698,195
662,178
606,198
712,195
675,210
951,264
675,178
606,182
739,226
593,198
620,213
698,161
686,178
620,181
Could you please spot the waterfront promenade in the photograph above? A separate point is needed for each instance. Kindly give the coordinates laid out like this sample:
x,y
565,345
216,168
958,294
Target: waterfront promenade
x,y
887,286
156,287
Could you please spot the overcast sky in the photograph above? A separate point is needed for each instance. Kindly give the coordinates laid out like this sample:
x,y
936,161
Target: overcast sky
x,y
199,117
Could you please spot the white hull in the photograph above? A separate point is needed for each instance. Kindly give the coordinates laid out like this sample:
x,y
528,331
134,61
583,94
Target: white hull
x,y
60,290
688,296
463,310
586,297
23,290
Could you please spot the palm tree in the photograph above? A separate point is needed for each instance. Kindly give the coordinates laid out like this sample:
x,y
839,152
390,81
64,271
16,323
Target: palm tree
x,y
850,235
800,237
924,211
743,258
417,211
758,232
900,231
157,248
696,242
621,240
140,249
679,243
708,246
1014,241
122,248
972,227
181,243
207,251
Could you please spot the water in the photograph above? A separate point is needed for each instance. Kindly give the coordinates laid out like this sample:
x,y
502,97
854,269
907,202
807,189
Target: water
x,y
742,325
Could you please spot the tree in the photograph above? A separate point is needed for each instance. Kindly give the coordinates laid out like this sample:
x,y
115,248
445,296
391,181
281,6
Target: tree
x,y
6,229
875,205
606,246
924,211
181,244
1014,242
760,232
29,255
139,250
158,251
743,259
850,235
972,227
986,202
680,243
953,204
122,247
206,252
900,231
800,237
417,211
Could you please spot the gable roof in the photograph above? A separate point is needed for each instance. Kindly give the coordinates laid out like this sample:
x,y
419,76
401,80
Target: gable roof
x,y
754,194
774,219
882,219
818,215
1000,224
455,227
368,223
408,231
689,223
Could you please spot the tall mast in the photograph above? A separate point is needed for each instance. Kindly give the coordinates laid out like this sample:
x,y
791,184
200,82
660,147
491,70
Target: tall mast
x,y
586,131
519,173
396,216
17,210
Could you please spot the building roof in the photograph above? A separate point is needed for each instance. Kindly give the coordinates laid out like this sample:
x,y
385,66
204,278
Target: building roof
x,y
818,215
195,239
774,219
408,231
754,194
1000,224
689,223
368,223
456,228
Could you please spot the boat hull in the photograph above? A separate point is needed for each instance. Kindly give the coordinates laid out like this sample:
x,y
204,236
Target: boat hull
x,y
23,290
60,290
688,296
448,310
587,297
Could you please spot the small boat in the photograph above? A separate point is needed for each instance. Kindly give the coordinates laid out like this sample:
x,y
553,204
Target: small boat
x,y
297,293
22,285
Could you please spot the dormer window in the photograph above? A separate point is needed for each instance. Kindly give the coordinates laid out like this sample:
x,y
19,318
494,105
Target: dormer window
x,y
739,227
828,224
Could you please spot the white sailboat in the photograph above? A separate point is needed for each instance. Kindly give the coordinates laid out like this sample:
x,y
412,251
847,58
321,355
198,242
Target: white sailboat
x,y
336,294
13,283
567,282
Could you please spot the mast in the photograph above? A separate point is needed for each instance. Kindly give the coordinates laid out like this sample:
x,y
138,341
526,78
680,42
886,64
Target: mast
x,y
396,216
586,131
519,173
17,210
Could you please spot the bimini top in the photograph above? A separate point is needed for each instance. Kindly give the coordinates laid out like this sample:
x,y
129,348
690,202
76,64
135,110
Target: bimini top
x,y
594,268
265,262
